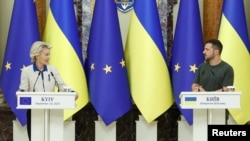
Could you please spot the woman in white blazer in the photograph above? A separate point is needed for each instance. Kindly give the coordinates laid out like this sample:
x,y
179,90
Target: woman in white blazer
x,y
39,76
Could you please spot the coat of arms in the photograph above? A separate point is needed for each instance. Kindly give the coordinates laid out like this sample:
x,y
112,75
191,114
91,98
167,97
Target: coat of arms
x,y
124,5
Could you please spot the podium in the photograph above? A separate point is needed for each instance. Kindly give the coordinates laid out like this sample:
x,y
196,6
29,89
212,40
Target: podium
x,y
47,116
208,108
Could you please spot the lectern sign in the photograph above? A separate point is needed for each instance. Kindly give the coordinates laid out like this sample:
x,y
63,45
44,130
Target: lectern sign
x,y
47,113
48,100
208,108
213,100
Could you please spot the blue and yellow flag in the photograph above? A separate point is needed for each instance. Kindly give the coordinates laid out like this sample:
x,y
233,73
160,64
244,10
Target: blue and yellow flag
x,y
233,34
23,32
105,65
146,61
61,32
186,52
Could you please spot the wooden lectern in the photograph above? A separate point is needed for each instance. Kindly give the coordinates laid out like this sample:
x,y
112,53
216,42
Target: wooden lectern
x,y
208,108
47,116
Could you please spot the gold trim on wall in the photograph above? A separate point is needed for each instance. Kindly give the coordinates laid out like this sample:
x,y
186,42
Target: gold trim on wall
x,y
41,14
212,12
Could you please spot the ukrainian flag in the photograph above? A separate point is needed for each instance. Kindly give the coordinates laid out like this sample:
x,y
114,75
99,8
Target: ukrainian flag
x,y
146,61
61,32
190,100
234,37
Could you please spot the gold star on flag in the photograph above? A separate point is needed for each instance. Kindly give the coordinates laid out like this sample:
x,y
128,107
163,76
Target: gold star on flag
x,y
193,68
122,63
8,66
107,69
177,67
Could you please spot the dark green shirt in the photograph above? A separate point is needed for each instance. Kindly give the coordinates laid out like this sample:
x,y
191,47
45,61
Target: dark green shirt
x,y
212,78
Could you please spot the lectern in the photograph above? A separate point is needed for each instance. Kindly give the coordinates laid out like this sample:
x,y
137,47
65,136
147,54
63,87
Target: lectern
x,y
47,119
208,108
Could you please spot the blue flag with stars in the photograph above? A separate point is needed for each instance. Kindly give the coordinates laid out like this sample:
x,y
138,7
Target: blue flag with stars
x,y
23,32
105,65
186,52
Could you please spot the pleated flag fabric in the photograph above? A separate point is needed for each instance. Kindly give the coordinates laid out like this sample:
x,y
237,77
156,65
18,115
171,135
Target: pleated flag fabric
x,y
233,34
187,51
146,61
105,65
61,32
23,32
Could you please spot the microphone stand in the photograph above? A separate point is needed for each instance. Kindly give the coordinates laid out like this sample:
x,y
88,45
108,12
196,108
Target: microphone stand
x,y
52,74
226,112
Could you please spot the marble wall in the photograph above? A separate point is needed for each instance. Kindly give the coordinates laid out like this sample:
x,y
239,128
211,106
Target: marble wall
x,y
6,118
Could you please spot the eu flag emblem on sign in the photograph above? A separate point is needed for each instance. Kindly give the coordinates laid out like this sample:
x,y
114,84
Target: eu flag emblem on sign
x,y
25,100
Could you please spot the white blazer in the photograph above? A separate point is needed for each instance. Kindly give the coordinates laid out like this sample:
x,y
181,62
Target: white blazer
x,y
37,81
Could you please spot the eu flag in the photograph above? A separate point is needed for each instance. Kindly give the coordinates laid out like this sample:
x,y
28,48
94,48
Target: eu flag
x,y
105,65
146,61
61,32
186,52
234,37
25,101
23,32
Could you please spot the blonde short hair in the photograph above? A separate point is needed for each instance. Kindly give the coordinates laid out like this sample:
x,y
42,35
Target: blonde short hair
x,y
37,48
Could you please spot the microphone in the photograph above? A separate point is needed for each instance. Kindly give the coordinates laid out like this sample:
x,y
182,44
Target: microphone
x,y
36,81
55,81
217,80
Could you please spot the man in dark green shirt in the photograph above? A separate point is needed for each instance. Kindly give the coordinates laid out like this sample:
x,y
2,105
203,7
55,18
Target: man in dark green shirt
x,y
214,74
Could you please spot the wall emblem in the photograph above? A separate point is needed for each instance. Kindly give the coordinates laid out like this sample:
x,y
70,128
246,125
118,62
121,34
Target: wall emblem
x,y
124,5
